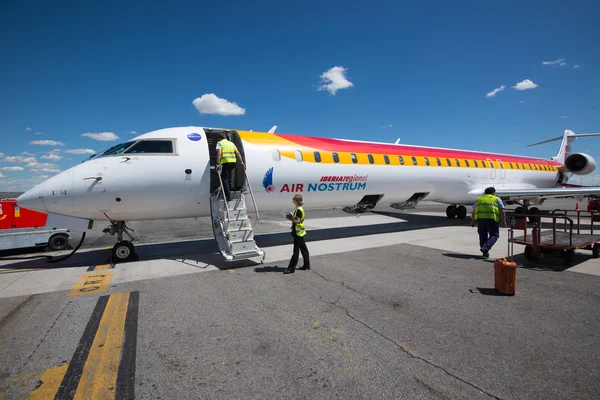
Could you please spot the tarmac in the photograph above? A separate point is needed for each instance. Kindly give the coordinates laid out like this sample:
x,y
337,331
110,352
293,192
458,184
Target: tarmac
x,y
396,305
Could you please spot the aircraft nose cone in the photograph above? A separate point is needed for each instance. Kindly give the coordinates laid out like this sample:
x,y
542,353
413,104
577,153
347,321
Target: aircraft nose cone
x,y
33,199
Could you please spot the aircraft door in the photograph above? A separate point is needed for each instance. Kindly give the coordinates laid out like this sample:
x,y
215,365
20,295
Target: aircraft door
x,y
502,170
492,168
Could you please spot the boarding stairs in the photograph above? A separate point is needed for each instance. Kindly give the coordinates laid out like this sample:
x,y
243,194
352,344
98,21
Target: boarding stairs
x,y
232,226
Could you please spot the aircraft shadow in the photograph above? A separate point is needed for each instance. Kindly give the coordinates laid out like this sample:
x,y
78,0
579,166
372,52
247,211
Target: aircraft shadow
x,y
206,250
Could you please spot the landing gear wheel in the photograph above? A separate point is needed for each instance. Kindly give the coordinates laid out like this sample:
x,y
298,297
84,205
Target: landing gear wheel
x,y
58,242
519,210
529,253
569,257
596,250
461,212
451,212
534,215
123,251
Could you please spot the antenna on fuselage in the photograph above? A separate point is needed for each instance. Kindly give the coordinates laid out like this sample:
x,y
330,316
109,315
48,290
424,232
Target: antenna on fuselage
x,y
272,130
397,141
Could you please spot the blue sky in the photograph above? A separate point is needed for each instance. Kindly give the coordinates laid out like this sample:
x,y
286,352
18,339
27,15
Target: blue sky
x,y
420,72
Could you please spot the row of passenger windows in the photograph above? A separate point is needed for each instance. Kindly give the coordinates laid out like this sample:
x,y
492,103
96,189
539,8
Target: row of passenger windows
x,y
439,162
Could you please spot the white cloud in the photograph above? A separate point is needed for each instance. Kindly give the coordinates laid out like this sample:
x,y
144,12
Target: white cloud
x,y
20,159
38,133
521,102
28,154
495,91
576,66
337,80
50,170
40,166
561,62
132,132
592,112
104,136
209,103
387,126
1,176
524,85
47,143
41,176
1,154
28,128
564,116
52,157
13,169
80,151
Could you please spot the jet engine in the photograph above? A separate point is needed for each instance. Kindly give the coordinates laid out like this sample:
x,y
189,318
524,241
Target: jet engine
x,y
580,163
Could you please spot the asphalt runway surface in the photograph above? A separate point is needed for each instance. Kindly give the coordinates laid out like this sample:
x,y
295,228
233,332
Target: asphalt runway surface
x,y
403,321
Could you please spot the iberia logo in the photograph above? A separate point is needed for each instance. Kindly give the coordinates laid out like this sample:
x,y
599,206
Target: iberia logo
x,y
268,181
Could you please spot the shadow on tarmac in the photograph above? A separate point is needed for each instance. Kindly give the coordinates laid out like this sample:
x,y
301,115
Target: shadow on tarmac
x,y
206,250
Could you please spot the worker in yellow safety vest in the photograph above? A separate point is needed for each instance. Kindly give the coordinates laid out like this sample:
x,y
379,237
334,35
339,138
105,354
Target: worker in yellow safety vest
x,y
298,233
226,160
488,211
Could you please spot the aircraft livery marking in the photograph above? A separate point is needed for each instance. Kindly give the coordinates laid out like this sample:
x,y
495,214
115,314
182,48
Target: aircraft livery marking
x,y
342,183
194,136
268,181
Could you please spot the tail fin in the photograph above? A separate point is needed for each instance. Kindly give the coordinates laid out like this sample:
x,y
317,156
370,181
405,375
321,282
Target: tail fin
x,y
565,147
272,130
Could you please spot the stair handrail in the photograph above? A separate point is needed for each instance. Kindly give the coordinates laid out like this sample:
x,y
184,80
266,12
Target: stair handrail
x,y
223,191
251,192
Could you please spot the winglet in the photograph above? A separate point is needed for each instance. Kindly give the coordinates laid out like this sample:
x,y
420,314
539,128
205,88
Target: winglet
x,y
272,130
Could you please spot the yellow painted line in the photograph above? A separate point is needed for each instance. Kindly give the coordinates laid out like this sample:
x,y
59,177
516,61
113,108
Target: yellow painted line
x,y
51,380
12,271
102,267
91,283
99,377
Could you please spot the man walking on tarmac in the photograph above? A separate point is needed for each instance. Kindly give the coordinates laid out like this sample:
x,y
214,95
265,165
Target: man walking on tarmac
x,y
226,159
488,211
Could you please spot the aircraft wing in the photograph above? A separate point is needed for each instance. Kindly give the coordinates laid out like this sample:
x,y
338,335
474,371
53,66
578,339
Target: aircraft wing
x,y
557,192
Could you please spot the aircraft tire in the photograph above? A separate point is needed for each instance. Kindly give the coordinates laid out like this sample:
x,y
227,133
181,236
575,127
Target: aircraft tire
x,y
451,212
461,212
596,250
529,253
569,257
123,251
519,210
534,215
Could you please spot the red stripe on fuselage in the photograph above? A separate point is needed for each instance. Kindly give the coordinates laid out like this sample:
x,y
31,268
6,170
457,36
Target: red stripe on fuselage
x,y
333,145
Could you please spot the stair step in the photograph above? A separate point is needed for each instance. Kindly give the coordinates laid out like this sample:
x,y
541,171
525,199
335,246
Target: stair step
x,y
241,235
243,247
233,215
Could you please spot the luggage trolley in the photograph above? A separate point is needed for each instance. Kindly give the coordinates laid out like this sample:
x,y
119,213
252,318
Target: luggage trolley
x,y
567,240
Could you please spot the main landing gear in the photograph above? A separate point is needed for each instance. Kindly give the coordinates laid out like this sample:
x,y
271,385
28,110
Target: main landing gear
x,y
533,213
456,211
123,251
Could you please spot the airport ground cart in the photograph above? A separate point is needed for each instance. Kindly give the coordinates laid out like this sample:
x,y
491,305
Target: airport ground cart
x,y
556,232
49,238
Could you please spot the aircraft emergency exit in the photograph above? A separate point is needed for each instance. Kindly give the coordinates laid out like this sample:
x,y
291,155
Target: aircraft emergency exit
x,y
170,173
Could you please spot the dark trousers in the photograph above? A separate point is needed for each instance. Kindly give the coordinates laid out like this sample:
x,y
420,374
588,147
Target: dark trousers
x,y
226,177
489,231
299,247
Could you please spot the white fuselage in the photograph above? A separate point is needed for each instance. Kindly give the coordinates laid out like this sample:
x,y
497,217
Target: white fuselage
x,y
129,187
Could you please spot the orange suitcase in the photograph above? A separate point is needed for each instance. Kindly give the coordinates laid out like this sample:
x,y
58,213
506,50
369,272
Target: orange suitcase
x,y
505,274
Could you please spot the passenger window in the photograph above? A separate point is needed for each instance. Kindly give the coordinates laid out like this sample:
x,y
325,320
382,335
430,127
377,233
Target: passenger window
x,y
371,160
387,159
426,161
151,146
401,160
457,162
483,163
439,163
511,166
517,164
317,156
276,155
467,163
414,160
354,159
501,165
448,162
298,154
335,157
476,165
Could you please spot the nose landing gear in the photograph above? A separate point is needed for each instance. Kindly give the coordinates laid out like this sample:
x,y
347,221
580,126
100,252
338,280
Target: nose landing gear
x,y
124,250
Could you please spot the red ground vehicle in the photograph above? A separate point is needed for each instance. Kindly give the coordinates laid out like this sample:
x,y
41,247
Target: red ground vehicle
x,y
594,204
12,216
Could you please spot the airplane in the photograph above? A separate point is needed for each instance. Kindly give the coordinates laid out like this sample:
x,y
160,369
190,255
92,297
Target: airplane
x,y
170,173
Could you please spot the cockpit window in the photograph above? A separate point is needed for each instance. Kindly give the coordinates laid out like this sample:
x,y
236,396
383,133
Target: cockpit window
x,y
118,149
151,146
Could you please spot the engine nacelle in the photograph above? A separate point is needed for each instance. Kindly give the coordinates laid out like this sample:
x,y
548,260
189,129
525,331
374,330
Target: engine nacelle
x,y
580,163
